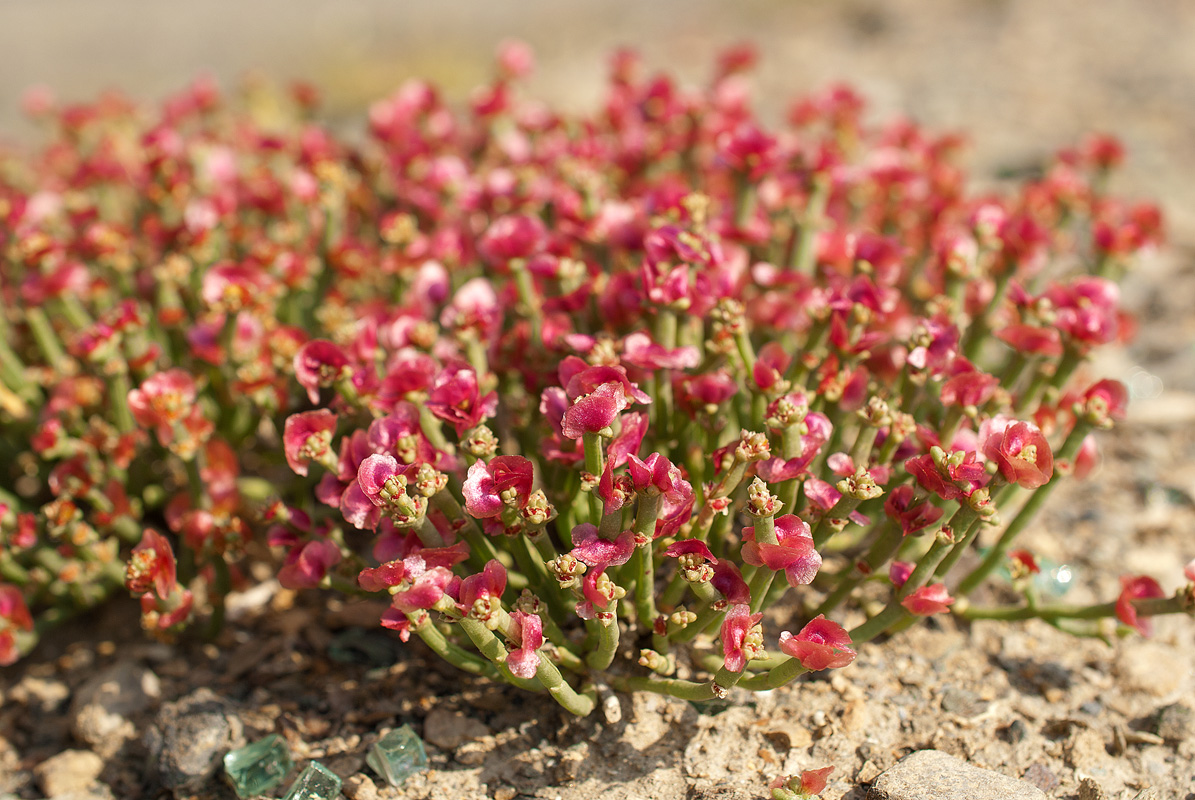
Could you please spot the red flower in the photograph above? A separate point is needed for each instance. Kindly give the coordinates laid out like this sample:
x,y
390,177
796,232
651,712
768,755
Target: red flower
x,y
480,595
911,519
932,599
640,351
528,631
489,488
1019,449
307,437
660,476
455,397
13,614
151,566
307,565
1136,588
735,646
729,582
794,553
593,550
594,412
821,644
318,364
512,236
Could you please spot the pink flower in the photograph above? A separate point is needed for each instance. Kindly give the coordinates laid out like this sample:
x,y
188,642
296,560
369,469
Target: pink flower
x,y
307,565
639,350
480,595
594,551
911,518
1136,588
660,476
475,306
528,631
692,547
594,412
626,443
319,364
512,236
307,437
729,582
1189,570
1105,401
794,553
821,644
738,623
489,488
899,572
456,398
968,386
163,400
1032,339
1019,449
932,599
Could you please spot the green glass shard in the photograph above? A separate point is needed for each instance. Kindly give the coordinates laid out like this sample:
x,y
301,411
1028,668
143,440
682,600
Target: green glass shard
x,y
316,782
258,767
397,756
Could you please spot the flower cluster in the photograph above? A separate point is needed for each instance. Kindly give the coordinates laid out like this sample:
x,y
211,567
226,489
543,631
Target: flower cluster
x,y
564,391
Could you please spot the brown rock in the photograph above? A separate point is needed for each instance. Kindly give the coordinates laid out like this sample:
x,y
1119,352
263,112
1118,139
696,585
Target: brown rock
x,y
360,787
103,705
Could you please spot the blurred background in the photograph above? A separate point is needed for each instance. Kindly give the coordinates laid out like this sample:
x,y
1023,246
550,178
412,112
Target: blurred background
x,y
1021,77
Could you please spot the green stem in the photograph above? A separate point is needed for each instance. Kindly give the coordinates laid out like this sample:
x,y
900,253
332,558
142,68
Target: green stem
x,y
457,656
603,656
1146,607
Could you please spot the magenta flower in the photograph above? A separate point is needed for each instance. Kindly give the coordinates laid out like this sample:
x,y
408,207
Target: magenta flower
x,y
794,553
475,306
690,547
899,572
735,627
912,518
319,364
1136,588
932,599
968,386
455,398
1105,401
729,583
504,481
512,236
594,412
528,631
594,551
1019,449
660,476
770,365
821,644
1032,339
307,565
944,484
307,437
626,443
639,350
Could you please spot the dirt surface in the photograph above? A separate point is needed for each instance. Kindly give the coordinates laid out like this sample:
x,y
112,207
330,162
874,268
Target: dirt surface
x,y
1024,699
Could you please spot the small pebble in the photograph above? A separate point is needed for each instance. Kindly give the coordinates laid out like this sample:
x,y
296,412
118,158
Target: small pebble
x,y
69,771
1016,731
1092,707
1175,723
1090,790
933,774
963,702
1041,776
360,787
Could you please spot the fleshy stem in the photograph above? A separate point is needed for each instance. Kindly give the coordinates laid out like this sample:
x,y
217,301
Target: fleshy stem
x,y
602,656
805,253
595,458
422,625
882,549
894,612
995,556
775,677
645,581
47,339
1146,607
492,648
529,298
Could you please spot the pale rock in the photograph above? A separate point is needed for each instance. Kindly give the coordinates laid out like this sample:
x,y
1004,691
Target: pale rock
x,y
448,730
1150,667
103,706
69,771
933,775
